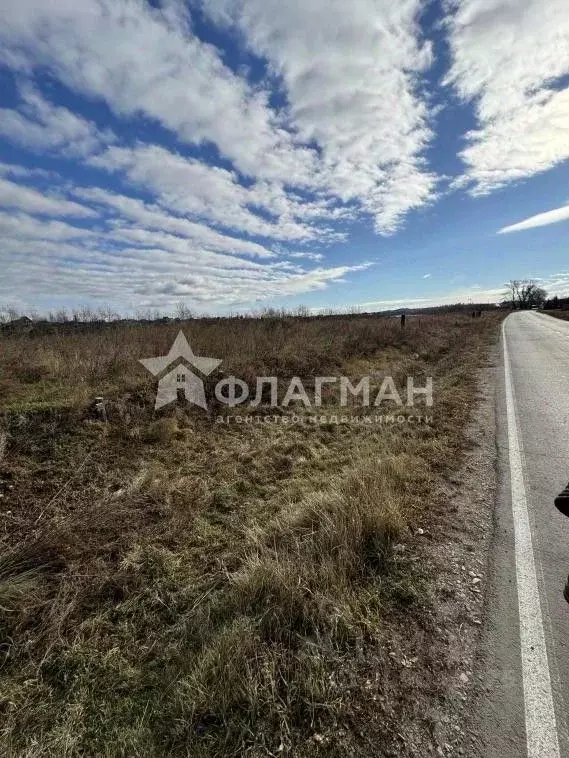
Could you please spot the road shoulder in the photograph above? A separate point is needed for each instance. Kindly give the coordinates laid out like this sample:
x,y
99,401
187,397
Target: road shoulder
x,y
458,552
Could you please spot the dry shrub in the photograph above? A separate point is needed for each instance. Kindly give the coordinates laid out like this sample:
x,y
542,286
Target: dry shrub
x,y
22,573
71,365
160,431
31,374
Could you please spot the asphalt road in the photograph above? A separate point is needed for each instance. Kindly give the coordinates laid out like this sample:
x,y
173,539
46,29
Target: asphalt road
x,y
524,709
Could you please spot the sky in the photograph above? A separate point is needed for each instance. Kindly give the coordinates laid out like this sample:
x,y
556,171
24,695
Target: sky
x,y
233,155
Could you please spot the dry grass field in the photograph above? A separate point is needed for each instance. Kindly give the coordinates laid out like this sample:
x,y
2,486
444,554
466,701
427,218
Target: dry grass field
x,y
171,586
563,314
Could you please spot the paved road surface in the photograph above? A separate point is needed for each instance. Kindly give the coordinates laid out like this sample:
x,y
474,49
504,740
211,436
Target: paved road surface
x,y
525,711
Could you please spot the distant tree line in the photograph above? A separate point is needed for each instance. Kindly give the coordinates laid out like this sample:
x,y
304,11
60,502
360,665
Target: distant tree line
x,y
88,315
523,294
556,302
85,316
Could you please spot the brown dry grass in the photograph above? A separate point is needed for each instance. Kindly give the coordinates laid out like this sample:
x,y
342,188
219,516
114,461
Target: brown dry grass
x,y
173,586
562,314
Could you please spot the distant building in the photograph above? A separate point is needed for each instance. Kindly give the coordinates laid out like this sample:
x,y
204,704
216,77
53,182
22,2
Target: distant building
x,y
22,324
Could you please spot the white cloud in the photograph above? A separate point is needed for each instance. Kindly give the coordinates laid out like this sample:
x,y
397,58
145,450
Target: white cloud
x,y
142,59
42,126
242,288
471,294
150,276
336,129
308,256
22,198
135,259
22,226
427,276
188,186
507,56
18,172
556,284
153,217
355,125
541,219
351,72
166,241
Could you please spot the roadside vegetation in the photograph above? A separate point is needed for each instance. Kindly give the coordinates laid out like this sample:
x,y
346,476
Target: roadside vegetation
x,y
562,314
172,586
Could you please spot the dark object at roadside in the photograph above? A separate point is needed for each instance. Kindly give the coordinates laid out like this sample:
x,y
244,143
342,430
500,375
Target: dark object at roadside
x,y
402,320
562,504
562,501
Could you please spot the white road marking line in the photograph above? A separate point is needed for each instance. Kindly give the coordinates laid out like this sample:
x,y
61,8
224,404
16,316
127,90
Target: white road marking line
x,y
541,727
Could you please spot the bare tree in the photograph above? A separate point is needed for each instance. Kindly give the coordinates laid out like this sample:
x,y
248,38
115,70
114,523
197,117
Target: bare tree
x,y
143,314
524,294
86,313
8,313
106,313
182,312
302,310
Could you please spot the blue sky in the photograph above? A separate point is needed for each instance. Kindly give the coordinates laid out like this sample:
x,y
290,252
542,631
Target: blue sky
x,y
236,154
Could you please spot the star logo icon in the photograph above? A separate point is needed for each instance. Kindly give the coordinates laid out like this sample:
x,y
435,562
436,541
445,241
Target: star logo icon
x,y
179,375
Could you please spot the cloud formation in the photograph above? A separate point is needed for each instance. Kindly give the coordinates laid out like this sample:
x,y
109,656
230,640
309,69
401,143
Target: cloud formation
x,y
249,176
352,74
540,219
122,251
169,166
355,128
43,127
509,58
27,199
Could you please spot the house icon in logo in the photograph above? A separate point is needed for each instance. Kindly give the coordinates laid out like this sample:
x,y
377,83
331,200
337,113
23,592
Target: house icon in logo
x,y
178,366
